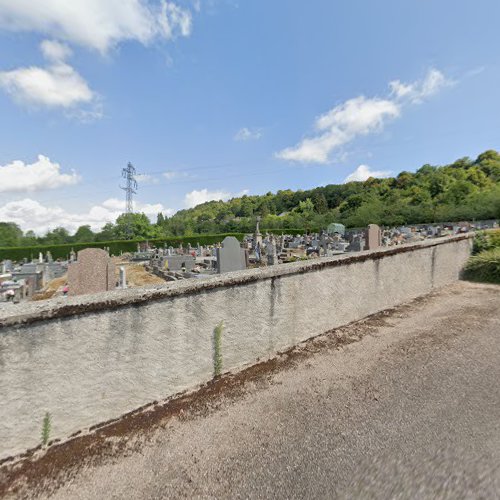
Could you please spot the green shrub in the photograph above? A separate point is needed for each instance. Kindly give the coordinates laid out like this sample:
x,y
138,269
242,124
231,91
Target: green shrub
x,y
484,266
486,240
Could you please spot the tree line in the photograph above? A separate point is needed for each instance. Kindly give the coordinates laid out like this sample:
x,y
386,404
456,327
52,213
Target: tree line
x,y
466,189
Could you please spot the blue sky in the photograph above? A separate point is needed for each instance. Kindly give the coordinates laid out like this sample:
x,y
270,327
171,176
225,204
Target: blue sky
x,y
216,98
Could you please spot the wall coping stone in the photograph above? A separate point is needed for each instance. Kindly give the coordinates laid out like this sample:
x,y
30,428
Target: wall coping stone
x,y
62,307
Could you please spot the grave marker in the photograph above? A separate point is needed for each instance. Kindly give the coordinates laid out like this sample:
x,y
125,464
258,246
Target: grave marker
x,y
93,272
231,257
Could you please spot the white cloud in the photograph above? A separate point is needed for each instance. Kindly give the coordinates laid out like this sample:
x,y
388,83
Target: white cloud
x,y
360,116
174,20
146,179
55,51
174,174
40,175
340,125
203,195
417,92
58,85
97,24
363,172
246,134
32,215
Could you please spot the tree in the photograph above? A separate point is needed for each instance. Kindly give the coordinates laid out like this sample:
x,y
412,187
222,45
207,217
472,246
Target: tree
x,y
134,226
84,234
58,236
10,234
305,207
462,189
107,233
320,203
29,239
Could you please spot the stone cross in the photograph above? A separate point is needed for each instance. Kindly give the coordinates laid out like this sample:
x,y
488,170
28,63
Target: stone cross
x,y
257,239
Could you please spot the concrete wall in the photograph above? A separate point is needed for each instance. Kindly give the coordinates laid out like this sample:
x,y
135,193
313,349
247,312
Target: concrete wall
x,y
93,358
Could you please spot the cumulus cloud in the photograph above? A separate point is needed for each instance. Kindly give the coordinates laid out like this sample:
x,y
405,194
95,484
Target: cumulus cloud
x,y
246,134
363,172
97,24
41,175
360,116
57,85
30,214
197,197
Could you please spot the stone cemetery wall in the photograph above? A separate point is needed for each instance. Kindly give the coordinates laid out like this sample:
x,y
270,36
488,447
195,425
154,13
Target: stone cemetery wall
x,y
91,358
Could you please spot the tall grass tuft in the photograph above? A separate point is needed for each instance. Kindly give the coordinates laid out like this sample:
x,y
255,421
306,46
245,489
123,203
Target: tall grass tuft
x,y
218,348
46,426
486,240
484,266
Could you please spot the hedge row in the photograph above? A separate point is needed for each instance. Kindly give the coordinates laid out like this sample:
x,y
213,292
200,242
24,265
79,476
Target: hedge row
x,y
115,247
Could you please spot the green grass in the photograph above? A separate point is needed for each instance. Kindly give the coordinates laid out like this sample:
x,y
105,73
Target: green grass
x,y
486,240
46,426
218,349
484,267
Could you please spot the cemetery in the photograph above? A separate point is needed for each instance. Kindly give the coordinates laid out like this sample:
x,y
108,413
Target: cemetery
x,y
93,270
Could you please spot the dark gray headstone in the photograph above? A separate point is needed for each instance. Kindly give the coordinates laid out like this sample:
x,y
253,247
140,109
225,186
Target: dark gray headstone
x,y
231,257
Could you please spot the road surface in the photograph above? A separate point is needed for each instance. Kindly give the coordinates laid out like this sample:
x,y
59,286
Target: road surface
x,y
410,410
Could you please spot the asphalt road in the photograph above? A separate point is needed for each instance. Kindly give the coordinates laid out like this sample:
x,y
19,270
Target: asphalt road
x,y
411,410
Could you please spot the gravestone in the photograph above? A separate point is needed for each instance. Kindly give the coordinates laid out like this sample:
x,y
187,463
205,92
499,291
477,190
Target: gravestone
x,y
373,237
7,266
122,283
336,228
323,243
357,243
257,238
178,263
231,257
272,256
93,272
258,253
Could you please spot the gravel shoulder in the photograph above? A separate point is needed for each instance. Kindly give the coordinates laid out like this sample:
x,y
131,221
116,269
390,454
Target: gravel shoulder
x,y
403,405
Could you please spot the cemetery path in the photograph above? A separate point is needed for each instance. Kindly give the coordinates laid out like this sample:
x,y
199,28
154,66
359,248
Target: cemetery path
x,y
410,410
